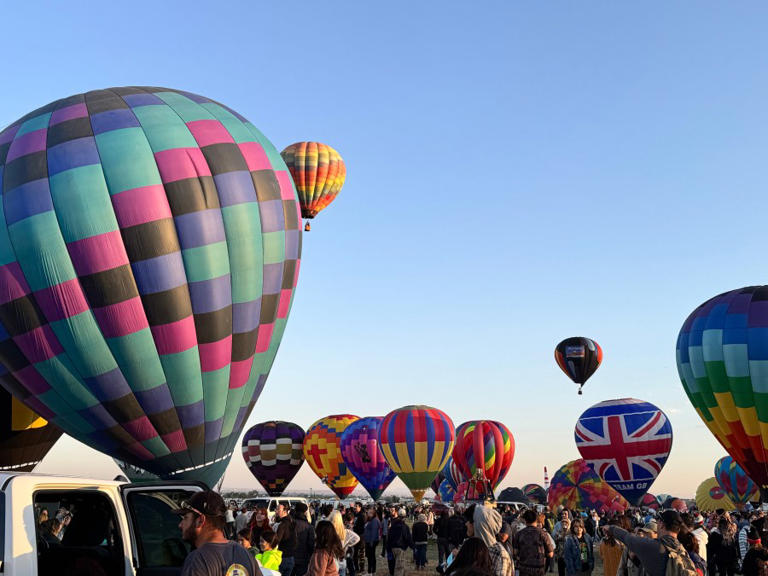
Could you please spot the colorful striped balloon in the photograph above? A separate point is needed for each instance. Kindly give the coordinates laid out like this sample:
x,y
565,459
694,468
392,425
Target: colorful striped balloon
x,y
535,493
417,442
318,172
485,449
322,450
453,474
149,250
735,482
363,457
576,486
273,452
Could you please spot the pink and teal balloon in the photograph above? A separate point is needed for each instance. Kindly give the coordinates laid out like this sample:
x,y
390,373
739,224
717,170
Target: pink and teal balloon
x,y
734,481
149,249
363,457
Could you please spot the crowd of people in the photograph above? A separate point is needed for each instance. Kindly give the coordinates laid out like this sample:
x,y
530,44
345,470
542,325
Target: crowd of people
x,y
472,540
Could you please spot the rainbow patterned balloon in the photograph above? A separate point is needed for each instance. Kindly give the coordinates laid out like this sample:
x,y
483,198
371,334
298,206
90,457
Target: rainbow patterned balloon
x,y
363,457
453,474
417,442
710,497
576,487
322,451
735,482
535,493
485,448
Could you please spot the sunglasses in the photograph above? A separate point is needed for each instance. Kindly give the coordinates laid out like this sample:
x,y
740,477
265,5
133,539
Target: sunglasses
x,y
185,506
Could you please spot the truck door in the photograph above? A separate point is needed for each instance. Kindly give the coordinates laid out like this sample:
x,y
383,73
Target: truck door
x,y
158,549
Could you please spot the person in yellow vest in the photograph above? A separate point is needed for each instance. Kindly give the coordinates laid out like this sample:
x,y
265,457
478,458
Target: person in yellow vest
x,y
270,556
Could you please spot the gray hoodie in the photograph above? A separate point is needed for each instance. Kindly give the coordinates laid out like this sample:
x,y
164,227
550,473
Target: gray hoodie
x,y
487,524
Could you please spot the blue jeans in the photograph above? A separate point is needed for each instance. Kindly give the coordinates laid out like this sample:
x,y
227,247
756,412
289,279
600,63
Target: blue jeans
x,y
286,566
421,554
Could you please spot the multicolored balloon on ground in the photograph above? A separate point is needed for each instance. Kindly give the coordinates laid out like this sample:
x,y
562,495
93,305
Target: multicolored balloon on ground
x,y
627,442
318,172
25,438
417,442
735,482
363,457
535,493
484,449
445,492
722,351
650,501
149,250
453,474
576,486
322,451
435,485
578,357
710,497
273,452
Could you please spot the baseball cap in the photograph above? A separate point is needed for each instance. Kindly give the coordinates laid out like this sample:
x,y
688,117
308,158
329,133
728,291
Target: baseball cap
x,y
698,520
207,503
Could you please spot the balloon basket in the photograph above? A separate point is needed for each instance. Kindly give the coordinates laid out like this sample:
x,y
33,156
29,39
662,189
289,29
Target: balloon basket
x,y
307,227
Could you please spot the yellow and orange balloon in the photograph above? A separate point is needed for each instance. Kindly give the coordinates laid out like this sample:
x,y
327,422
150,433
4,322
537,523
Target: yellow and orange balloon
x,y
322,451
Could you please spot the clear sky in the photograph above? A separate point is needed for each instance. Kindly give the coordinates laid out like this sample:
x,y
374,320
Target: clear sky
x,y
518,172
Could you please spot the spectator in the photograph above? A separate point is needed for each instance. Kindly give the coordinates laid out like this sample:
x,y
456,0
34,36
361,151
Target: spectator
x,y
328,551
472,559
579,558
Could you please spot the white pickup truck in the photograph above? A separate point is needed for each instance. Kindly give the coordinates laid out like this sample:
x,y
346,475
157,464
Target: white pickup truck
x,y
115,529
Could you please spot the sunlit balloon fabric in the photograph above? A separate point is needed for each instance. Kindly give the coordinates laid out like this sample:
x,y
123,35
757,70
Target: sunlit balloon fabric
x,y
627,442
322,451
318,172
274,453
710,497
576,487
735,482
453,473
578,357
535,493
417,442
149,251
484,448
722,359
25,438
650,501
362,454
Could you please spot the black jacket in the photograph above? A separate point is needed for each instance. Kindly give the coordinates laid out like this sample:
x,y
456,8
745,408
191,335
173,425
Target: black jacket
x,y
305,541
399,535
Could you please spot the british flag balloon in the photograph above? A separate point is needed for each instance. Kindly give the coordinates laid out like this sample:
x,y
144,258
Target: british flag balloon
x,y
627,442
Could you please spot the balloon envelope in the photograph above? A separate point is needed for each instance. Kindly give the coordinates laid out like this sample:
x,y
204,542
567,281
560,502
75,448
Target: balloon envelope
x,y
627,442
576,486
535,493
453,474
734,481
274,453
446,492
721,350
485,449
513,494
149,249
318,172
361,452
417,442
322,450
578,357
710,497
25,438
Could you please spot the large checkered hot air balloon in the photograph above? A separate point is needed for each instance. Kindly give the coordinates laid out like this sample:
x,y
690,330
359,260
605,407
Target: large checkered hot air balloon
x,y
274,453
318,172
149,251
735,482
578,357
363,457
627,442
417,442
25,438
484,449
722,359
322,451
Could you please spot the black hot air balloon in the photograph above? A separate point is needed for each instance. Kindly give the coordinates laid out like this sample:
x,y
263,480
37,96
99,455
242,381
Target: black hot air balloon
x,y
578,357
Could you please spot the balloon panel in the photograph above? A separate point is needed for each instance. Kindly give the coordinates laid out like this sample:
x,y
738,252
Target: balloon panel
x,y
627,442
578,357
453,474
149,249
363,457
25,438
274,453
446,492
322,451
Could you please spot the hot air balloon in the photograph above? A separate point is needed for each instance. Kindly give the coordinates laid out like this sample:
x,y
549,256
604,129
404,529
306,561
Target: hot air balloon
x,y
453,474
721,350
363,457
576,486
417,442
578,357
446,492
484,449
274,453
318,172
710,497
435,485
25,438
322,450
134,473
626,442
734,481
535,493
150,243
649,501
513,494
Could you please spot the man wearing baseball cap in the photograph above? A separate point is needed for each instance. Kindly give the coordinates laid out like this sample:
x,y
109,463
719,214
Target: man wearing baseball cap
x,y
203,521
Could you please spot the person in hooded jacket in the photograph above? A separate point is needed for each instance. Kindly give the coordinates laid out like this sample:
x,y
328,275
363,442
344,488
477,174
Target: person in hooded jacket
x,y
420,533
399,541
485,523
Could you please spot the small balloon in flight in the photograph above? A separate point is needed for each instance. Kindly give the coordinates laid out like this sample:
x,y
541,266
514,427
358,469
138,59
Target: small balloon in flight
x,y
578,357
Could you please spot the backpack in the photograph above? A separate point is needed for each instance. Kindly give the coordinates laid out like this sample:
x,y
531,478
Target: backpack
x,y
678,561
530,548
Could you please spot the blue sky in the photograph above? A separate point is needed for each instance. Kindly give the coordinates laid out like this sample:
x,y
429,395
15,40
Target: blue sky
x,y
518,172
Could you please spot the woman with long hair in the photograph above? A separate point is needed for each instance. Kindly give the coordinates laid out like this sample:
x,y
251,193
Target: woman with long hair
x,y
347,537
472,558
258,524
579,560
328,551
